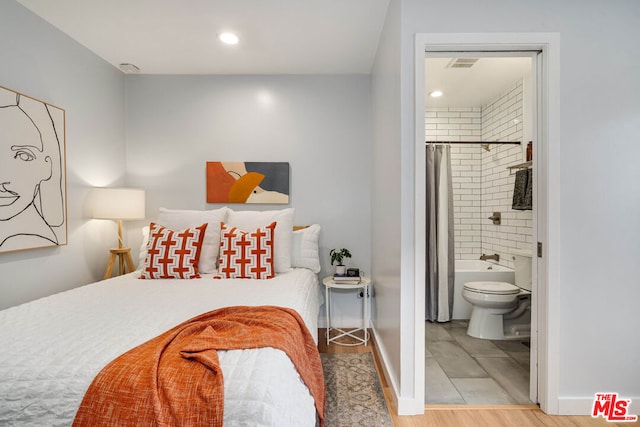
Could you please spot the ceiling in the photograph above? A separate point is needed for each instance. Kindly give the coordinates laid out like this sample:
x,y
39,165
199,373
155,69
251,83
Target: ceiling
x,y
276,37
180,37
487,79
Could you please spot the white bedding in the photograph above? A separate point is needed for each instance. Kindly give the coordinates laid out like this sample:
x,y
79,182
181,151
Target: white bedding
x,y
52,348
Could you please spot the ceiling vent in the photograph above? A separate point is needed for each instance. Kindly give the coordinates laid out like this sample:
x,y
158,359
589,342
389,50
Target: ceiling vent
x,y
462,62
129,68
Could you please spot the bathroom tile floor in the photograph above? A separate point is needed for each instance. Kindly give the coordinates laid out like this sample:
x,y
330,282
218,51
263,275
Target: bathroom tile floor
x,y
465,370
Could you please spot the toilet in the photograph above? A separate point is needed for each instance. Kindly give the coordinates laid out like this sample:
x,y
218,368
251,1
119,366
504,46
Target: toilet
x,y
502,311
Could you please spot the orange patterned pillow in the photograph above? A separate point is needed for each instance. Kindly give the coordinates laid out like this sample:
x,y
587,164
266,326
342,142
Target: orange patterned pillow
x,y
246,255
173,254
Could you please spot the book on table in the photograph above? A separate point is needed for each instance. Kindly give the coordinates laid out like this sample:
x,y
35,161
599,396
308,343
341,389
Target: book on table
x,y
346,279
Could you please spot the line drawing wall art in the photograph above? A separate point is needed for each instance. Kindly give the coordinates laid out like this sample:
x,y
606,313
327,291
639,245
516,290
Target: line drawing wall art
x,y
248,182
33,199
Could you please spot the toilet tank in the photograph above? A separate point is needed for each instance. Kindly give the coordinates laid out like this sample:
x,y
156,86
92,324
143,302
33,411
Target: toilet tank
x,y
522,268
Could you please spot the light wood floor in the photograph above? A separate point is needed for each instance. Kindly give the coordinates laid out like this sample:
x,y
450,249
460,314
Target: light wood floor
x,y
467,415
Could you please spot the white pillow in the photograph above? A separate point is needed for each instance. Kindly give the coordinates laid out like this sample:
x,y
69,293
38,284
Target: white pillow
x,y
250,220
181,219
304,248
143,247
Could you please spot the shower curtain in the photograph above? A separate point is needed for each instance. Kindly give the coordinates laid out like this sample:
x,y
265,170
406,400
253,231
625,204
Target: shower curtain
x,y
440,262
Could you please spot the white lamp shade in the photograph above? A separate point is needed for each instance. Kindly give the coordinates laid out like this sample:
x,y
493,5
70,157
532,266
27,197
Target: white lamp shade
x,y
117,203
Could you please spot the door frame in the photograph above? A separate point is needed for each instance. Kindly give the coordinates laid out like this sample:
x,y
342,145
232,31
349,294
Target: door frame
x,y
546,221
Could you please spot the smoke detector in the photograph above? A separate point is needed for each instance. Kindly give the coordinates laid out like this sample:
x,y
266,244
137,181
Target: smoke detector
x,y
462,62
129,68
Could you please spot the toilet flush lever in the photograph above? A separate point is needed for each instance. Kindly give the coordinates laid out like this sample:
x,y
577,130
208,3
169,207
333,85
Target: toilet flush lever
x,y
496,218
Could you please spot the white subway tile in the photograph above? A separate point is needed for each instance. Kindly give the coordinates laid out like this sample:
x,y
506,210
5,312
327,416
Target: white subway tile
x,y
448,114
438,120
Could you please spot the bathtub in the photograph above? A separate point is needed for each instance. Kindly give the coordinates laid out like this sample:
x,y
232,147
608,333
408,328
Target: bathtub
x,y
472,270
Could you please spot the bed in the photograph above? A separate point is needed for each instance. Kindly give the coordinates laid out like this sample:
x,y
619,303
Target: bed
x,y
52,348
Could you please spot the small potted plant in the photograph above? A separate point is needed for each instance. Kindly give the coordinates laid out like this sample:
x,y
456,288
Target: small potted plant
x,y
337,256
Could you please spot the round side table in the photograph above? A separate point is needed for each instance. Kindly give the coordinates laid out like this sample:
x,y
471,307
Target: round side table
x,y
362,285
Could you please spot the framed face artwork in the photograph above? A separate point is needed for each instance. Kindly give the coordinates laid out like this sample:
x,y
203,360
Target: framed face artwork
x,y
33,198
248,182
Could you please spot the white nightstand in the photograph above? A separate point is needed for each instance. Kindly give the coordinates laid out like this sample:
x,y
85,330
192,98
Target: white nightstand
x,y
364,287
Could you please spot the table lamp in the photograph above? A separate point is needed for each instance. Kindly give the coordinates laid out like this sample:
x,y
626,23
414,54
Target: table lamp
x,y
119,204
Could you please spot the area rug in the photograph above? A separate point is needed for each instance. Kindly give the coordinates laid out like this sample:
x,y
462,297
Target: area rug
x,y
354,394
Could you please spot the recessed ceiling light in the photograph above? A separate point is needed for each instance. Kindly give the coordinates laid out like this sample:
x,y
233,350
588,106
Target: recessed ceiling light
x,y
436,94
228,38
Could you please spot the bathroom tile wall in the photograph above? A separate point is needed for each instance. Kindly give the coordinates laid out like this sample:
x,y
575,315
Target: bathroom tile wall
x,y
502,121
460,124
481,182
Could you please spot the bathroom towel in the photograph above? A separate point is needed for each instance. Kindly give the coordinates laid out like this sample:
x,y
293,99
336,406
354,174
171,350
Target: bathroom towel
x,y
523,190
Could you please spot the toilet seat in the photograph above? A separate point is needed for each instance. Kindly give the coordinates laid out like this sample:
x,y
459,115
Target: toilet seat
x,y
493,288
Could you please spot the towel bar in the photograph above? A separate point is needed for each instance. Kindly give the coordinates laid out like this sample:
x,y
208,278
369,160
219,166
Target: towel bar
x,y
525,165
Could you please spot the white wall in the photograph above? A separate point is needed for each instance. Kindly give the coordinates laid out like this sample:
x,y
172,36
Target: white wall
x,y
385,206
600,201
321,125
40,61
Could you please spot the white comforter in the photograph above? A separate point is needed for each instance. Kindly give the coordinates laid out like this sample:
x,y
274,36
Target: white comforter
x,y
52,348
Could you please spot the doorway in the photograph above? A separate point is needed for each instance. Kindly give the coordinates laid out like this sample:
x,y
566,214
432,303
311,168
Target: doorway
x,y
545,344
481,106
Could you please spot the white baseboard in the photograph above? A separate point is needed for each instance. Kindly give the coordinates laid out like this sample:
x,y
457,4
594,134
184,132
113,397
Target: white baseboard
x,y
584,405
410,406
381,355
404,405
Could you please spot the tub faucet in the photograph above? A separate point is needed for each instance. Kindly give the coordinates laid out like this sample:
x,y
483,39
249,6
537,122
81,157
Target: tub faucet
x,y
495,257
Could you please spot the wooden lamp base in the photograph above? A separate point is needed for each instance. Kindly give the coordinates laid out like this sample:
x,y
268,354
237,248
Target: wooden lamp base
x,y
123,254
124,261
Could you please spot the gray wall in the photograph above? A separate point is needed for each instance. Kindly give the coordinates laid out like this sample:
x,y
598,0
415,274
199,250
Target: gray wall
x,y
40,61
319,124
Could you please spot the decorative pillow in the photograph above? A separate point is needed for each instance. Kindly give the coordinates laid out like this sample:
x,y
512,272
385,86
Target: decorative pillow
x,y
181,219
250,220
173,254
246,255
304,248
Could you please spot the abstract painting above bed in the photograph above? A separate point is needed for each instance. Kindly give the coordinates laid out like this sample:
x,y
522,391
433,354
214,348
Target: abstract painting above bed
x,y
248,182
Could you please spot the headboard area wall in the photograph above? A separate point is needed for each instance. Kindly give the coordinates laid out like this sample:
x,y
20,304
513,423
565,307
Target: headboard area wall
x,y
320,125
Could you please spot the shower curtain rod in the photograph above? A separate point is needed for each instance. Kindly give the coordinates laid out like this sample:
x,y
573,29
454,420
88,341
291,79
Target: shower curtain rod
x,y
474,142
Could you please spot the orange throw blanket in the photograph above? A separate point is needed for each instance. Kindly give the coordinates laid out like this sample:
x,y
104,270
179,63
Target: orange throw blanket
x,y
175,379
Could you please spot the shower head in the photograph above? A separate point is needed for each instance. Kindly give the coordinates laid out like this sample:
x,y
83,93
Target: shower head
x,y
486,147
